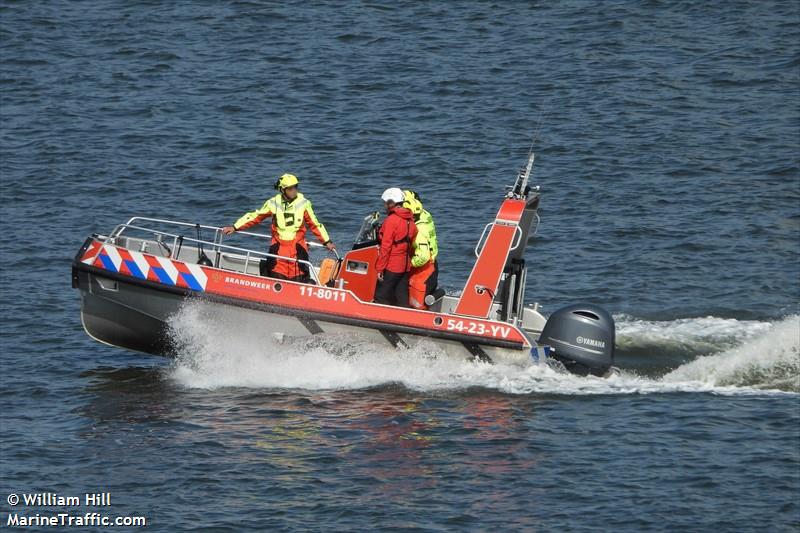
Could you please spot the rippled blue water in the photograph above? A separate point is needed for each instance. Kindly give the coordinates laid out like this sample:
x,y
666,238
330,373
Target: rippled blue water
x,y
668,156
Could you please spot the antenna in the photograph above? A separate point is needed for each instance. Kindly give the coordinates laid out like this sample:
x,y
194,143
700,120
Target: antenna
x,y
520,188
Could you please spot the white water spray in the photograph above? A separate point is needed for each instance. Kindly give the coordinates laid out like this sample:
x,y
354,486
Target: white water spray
x,y
227,347
771,360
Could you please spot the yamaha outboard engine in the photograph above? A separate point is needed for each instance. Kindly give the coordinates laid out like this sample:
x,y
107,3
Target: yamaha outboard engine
x,y
582,338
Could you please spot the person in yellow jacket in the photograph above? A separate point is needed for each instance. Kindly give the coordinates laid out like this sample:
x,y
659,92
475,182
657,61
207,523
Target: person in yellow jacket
x,y
424,266
291,212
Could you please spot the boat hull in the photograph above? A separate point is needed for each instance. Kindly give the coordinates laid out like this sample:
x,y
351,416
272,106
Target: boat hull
x,y
134,315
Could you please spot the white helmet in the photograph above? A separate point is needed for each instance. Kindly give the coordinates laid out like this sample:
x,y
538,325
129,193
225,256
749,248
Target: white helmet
x,y
394,195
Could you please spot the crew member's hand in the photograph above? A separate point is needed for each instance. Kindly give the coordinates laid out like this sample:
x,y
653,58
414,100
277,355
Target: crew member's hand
x,y
330,246
380,276
228,230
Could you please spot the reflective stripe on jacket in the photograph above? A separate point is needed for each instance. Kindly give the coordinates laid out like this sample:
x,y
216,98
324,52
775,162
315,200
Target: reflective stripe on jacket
x,y
289,219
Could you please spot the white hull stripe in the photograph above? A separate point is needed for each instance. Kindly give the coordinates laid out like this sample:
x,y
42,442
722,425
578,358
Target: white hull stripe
x,y
141,262
169,268
113,254
199,275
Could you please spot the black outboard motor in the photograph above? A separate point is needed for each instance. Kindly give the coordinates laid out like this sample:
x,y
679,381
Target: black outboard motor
x,y
582,338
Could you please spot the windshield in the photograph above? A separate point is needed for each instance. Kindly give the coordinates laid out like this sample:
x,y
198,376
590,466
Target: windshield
x,y
369,228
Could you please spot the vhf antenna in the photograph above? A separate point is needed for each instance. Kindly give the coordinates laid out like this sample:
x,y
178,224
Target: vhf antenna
x,y
521,186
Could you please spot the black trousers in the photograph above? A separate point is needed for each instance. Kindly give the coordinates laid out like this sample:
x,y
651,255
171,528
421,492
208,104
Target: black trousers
x,y
393,290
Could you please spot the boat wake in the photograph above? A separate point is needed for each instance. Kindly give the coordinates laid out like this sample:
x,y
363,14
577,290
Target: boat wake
x,y
768,361
218,348
685,337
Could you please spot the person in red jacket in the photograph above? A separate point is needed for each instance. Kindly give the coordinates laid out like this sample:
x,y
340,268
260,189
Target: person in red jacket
x,y
394,257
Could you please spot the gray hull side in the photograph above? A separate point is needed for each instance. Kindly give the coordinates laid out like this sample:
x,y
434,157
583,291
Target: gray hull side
x,y
126,315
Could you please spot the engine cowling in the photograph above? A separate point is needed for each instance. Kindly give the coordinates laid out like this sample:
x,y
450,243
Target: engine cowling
x,y
582,337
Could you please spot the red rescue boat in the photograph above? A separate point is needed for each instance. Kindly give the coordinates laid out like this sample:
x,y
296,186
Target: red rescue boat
x,y
135,278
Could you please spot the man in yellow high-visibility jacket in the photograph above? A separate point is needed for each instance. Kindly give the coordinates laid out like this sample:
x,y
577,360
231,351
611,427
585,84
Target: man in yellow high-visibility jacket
x,y
291,212
424,274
